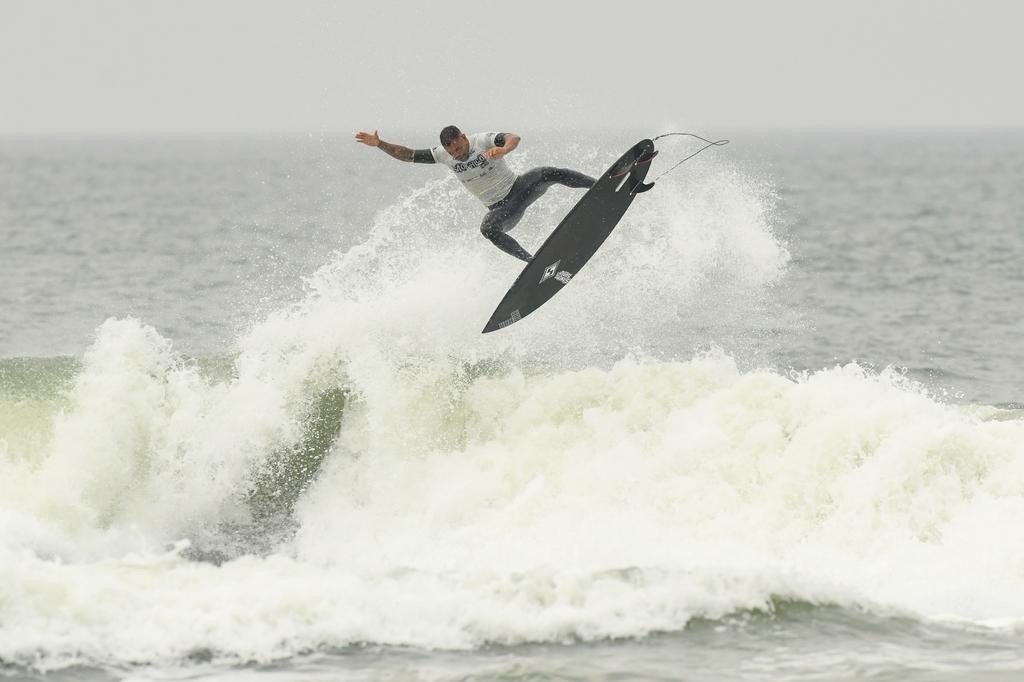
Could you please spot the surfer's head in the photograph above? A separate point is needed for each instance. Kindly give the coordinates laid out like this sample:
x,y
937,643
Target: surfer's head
x,y
455,142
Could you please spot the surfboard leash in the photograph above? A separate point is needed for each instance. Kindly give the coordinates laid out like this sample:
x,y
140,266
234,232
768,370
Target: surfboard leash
x,y
710,143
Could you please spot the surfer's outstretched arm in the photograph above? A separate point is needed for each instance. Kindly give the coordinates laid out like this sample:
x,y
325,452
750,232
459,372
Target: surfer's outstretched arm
x,y
396,151
503,144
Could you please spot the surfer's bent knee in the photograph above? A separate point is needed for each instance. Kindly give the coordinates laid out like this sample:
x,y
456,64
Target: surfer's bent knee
x,y
490,229
550,173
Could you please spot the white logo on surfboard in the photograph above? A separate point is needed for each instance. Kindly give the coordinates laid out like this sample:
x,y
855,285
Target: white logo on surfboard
x,y
552,270
549,271
514,317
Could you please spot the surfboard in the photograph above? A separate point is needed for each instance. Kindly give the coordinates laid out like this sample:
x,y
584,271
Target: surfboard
x,y
577,237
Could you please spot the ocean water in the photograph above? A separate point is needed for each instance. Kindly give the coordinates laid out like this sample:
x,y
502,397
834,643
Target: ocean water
x,y
249,428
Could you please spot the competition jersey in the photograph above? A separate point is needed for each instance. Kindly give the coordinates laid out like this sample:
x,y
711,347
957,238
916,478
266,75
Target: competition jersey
x,y
489,180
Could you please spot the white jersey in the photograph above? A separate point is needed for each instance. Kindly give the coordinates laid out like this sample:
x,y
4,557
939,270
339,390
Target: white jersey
x,y
488,179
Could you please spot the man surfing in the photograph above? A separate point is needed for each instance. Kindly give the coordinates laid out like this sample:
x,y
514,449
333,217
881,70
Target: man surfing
x,y
478,162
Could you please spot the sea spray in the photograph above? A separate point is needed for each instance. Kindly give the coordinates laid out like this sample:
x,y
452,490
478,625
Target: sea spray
x,y
581,504
372,469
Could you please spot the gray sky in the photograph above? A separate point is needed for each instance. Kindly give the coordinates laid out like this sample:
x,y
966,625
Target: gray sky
x,y
251,65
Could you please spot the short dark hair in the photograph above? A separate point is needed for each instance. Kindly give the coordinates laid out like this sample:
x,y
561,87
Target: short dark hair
x,y
449,134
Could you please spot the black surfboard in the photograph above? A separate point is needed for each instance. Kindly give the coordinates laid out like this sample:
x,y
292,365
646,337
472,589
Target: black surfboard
x,y
577,237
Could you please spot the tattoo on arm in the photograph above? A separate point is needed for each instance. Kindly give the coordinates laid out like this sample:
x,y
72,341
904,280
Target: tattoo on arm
x,y
422,156
396,151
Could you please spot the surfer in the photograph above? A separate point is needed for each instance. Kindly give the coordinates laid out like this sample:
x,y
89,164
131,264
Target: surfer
x,y
478,162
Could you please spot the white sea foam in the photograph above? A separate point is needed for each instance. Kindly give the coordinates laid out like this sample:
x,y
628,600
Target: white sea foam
x,y
532,485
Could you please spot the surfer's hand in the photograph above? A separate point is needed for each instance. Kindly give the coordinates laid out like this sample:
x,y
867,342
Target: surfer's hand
x,y
495,152
371,139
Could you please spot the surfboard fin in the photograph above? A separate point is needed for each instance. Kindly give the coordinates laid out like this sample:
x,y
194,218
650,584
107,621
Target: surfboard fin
x,y
640,186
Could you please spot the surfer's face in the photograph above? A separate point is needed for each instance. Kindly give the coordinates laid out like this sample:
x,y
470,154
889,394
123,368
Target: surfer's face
x,y
459,147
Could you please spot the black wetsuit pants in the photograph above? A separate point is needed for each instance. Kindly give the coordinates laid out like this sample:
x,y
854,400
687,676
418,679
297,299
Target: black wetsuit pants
x,y
529,187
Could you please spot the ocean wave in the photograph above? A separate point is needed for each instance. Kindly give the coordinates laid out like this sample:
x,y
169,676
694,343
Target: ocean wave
x,y
371,469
